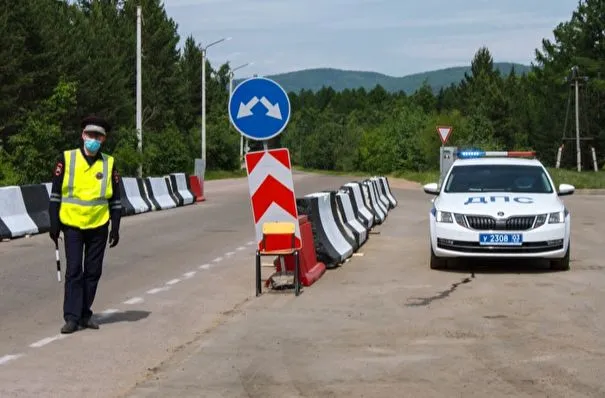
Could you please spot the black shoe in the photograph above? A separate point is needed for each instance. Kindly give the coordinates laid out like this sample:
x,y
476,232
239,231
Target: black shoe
x,y
69,327
89,323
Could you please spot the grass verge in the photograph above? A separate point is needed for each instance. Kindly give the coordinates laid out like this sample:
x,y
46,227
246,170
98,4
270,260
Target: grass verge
x,y
224,174
422,177
587,179
333,172
581,180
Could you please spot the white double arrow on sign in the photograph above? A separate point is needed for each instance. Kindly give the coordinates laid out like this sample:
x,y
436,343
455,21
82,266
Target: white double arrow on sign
x,y
245,110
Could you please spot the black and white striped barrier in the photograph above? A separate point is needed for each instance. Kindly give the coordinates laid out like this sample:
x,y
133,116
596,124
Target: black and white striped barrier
x,y
181,189
23,211
343,227
133,196
345,207
382,198
159,194
360,206
386,190
382,201
372,200
341,220
331,246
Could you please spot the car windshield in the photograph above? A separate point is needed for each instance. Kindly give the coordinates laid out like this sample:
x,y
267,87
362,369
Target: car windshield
x,y
498,178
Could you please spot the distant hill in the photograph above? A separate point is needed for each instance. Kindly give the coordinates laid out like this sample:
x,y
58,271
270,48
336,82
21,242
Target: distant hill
x,y
338,79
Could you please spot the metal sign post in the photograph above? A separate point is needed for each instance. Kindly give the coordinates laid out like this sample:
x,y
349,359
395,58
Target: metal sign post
x,y
259,109
446,154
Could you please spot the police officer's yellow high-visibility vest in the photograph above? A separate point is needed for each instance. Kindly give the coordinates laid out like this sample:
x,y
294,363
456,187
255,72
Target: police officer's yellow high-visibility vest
x,y
86,190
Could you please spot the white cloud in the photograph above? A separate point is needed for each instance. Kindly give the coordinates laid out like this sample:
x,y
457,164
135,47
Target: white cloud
x,y
483,18
514,46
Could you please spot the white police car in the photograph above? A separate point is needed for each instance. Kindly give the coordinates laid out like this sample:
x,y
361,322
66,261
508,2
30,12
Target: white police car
x,y
496,204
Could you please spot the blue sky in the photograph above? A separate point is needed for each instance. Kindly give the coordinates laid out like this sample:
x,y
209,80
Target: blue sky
x,y
395,37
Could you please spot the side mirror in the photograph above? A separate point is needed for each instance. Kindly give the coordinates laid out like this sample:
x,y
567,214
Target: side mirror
x,y
566,189
431,189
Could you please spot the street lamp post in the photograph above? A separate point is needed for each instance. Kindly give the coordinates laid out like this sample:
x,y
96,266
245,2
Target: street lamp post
x,y
231,75
204,49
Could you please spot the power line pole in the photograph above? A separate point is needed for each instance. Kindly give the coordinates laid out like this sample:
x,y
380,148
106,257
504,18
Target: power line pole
x,y
574,72
139,119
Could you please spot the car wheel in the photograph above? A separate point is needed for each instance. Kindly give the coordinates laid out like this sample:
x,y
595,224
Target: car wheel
x,y
563,263
437,262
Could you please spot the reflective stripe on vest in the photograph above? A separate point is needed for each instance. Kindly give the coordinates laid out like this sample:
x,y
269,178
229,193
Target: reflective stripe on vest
x,y
84,201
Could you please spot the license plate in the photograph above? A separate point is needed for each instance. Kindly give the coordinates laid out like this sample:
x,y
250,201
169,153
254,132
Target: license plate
x,y
501,239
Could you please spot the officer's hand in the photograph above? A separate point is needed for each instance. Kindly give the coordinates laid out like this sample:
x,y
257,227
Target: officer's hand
x,y
54,234
114,238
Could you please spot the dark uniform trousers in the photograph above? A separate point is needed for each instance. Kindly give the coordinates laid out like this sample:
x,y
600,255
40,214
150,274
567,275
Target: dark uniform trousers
x,y
82,277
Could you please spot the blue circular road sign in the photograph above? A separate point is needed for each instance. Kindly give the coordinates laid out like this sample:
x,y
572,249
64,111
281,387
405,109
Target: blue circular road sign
x,y
259,108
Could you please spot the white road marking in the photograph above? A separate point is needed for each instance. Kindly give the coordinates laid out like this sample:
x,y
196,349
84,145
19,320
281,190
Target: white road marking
x,y
108,312
251,243
189,274
7,358
43,342
218,259
229,254
540,358
239,249
444,341
158,289
205,266
173,281
134,300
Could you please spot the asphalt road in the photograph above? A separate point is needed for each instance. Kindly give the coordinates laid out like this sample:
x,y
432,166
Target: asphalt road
x,y
171,278
186,322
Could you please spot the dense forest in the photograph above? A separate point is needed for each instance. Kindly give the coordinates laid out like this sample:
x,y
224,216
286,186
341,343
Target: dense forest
x,y
339,79
62,60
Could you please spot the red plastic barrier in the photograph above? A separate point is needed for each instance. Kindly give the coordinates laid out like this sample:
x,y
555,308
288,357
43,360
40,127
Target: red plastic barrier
x,y
310,269
197,188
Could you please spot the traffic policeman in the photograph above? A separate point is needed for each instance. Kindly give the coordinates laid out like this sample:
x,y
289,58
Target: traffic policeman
x,y
84,201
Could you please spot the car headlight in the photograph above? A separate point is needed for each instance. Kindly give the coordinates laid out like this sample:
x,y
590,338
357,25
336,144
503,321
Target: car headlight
x,y
460,220
556,218
444,216
540,220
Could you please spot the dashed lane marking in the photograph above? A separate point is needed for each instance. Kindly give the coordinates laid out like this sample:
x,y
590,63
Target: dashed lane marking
x,y
134,300
47,340
7,358
158,290
109,312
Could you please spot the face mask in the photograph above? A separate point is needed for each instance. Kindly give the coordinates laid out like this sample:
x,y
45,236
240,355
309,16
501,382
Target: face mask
x,y
92,145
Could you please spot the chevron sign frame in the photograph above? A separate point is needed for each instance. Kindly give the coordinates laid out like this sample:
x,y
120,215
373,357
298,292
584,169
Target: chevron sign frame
x,y
272,194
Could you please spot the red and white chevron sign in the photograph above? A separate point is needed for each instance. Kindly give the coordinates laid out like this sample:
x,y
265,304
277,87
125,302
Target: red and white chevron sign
x,y
272,190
